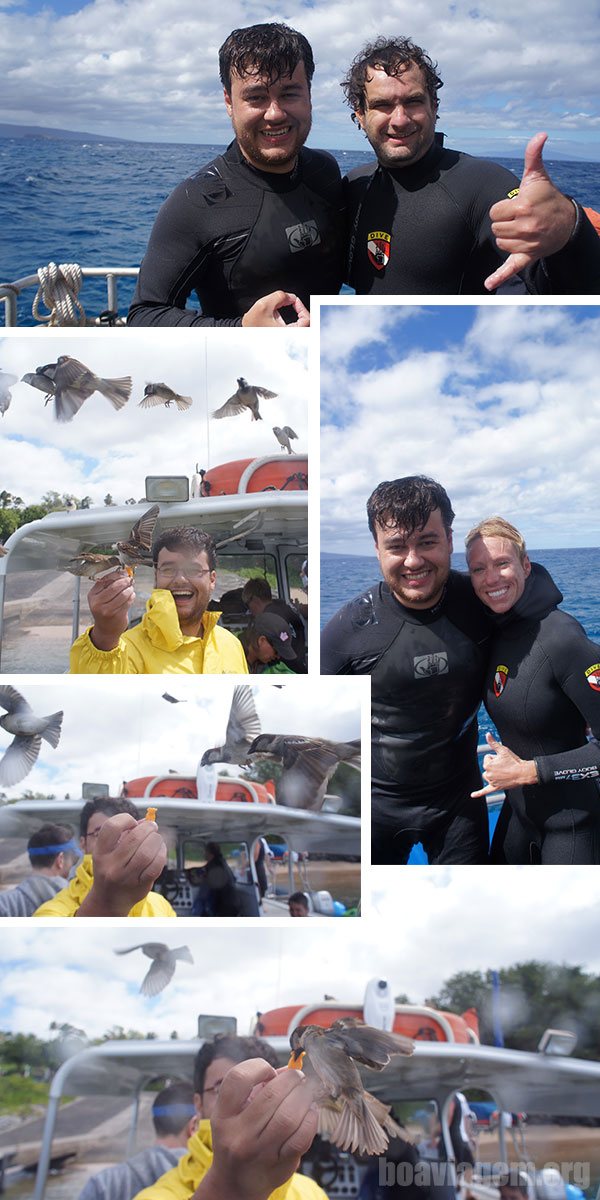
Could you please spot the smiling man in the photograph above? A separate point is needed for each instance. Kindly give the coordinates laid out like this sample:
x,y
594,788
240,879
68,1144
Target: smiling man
x,y
176,633
422,636
429,220
260,228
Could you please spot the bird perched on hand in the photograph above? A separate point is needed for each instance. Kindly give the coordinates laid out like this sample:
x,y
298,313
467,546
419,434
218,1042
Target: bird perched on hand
x,y
160,393
351,1117
135,551
283,437
164,961
29,730
243,726
308,764
247,396
72,382
6,382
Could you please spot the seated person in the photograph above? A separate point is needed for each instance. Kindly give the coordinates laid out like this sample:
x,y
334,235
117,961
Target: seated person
x,y
176,633
52,852
258,598
174,1119
268,645
123,856
256,1123
298,904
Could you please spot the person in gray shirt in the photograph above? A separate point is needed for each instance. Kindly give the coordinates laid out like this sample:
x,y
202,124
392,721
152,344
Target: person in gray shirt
x,y
52,852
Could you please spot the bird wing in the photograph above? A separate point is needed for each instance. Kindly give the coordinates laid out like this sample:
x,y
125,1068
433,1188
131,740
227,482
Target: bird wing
x,y
19,759
12,700
160,974
307,766
92,565
143,530
264,392
150,949
42,382
151,400
289,431
332,1065
244,723
7,380
230,408
70,373
372,1047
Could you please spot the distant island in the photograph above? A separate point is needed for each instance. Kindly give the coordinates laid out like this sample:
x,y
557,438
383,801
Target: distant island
x,y
53,135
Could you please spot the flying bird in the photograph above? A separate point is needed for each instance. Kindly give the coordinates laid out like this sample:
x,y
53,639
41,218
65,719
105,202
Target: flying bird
x,y
72,382
247,396
160,393
283,437
351,1117
135,551
164,961
6,382
243,727
308,764
29,730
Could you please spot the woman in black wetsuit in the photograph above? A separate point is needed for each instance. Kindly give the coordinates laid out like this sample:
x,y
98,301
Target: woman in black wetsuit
x,y
542,690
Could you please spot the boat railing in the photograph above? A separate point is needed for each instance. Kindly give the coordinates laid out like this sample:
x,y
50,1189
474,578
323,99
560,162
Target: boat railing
x,y
58,289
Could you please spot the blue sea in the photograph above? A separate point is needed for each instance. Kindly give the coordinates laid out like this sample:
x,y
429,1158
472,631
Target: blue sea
x,y
94,202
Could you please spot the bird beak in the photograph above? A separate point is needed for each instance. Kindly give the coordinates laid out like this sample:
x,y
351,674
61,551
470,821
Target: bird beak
x,y
296,1059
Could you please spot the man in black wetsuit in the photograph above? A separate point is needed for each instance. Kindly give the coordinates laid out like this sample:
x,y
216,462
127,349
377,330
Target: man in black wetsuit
x,y
425,219
261,227
422,636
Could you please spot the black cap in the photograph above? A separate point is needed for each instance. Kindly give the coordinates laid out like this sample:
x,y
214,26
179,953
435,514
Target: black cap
x,y
277,632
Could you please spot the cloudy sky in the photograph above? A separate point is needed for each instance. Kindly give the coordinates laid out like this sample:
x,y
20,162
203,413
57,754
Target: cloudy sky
x,y
102,451
500,403
117,66
116,729
271,968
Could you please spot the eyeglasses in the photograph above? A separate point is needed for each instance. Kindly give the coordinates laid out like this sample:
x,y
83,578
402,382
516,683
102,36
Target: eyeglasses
x,y
189,573
214,1090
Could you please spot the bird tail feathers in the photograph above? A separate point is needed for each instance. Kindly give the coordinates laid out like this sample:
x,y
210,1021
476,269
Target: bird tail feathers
x,y
53,729
117,391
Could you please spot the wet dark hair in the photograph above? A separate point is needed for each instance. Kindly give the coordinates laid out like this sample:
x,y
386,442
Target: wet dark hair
x,y
111,805
186,537
391,55
179,1098
237,1049
298,898
269,50
49,835
408,504
257,588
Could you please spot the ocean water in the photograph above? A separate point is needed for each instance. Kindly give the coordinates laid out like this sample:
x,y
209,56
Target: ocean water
x,y
575,572
94,202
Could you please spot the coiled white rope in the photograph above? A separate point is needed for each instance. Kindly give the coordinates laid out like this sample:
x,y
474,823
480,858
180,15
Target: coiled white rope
x,y
58,290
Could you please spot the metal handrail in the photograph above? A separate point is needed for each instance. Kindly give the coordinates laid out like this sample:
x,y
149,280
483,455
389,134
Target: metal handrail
x,y
9,292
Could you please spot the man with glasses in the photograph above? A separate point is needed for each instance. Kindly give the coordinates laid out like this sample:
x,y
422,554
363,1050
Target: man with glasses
x,y
176,633
255,1123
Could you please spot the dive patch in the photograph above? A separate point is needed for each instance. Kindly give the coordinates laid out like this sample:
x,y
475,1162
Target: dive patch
x,y
431,664
593,676
500,677
378,249
302,236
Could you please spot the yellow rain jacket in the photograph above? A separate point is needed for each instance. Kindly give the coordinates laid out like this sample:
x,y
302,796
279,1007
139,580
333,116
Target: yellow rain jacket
x,y
157,646
182,1181
67,901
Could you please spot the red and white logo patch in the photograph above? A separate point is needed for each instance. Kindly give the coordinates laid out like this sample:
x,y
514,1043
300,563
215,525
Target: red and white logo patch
x,y
378,249
593,676
500,677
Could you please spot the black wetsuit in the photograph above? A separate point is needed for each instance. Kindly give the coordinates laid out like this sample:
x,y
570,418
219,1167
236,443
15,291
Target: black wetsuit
x,y
427,669
542,688
232,234
426,229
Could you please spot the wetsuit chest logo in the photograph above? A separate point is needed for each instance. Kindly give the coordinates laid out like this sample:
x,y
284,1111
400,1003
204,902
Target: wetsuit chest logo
x,y
303,236
500,677
379,246
593,676
431,664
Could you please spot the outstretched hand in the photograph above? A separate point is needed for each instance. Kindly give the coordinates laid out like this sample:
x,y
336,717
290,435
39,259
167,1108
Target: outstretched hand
x,y
503,769
535,223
